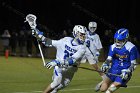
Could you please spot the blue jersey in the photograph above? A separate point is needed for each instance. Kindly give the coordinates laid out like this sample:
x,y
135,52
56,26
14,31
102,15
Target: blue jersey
x,y
121,58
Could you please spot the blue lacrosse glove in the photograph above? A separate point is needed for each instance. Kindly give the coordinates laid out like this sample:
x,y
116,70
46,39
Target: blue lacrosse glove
x,y
125,74
52,63
104,67
88,43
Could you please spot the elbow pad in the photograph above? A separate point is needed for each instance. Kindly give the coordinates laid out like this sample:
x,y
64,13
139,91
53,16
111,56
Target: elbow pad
x,y
47,42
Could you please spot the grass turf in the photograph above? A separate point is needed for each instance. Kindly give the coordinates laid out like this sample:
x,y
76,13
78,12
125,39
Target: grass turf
x,y
27,75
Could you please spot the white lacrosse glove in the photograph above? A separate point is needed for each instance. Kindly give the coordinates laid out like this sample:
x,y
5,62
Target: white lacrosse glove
x,y
36,33
52,63
104,67
125,74
31,19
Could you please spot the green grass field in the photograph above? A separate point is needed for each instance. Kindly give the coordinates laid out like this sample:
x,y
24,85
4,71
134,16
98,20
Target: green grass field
x,y
27,75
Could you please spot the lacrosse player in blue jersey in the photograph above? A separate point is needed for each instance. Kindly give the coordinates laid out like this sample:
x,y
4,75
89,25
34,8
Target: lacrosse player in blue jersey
x,y
69,53
121,61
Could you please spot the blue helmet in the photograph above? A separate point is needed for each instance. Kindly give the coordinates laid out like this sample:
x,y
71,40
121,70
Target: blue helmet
x,y
120,37
121,34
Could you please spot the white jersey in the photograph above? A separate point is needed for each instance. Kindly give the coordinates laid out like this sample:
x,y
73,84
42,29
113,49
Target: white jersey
x,y
95,43
67,47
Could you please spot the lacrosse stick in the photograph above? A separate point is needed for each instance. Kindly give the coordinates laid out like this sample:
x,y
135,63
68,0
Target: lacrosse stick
x,y
99,71
31,19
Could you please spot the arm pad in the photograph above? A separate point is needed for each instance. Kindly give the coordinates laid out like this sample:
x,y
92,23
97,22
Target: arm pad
x,y
47,41
39,35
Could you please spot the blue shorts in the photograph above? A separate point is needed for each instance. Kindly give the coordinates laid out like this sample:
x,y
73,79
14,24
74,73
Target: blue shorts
x,y
119,79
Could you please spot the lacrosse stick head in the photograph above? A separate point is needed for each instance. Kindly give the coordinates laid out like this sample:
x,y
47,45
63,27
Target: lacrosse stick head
x,y
31,19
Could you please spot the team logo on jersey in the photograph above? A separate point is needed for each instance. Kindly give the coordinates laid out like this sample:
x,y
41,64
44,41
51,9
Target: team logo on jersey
x,y
121,56
70,49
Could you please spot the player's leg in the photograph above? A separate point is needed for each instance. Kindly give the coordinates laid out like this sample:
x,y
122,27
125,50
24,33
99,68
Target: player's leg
x,y
94,64
57,78
98,86
55,90
68,75
96,67
103,76
66,79
83,60
119,82
105,84
113,87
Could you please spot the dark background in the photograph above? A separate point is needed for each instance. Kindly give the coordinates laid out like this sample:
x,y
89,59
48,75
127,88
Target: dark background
x,y
109,14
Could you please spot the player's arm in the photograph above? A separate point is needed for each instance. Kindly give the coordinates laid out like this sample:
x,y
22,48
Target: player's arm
x,y
39,35
106,65
69,61
31,19
133,56
98,45
57,62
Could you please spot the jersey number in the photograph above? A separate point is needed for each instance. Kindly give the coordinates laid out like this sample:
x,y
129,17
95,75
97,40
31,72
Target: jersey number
x,y
121,61
67,54
88,43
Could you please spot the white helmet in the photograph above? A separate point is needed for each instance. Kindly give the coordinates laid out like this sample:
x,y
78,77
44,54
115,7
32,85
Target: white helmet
x,y
79,32
92,26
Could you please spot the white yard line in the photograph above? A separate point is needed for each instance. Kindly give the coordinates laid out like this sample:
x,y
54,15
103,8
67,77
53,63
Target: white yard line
x,y
73,89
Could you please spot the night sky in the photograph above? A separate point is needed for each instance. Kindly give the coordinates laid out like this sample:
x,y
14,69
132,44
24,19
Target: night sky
x,y
109,14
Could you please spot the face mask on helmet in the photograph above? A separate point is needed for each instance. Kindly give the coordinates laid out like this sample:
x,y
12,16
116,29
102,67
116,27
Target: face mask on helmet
x,y
120,43
121,37
92,27
79,32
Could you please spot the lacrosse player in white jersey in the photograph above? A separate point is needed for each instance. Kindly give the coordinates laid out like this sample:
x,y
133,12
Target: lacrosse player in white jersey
x,y
94,46
69,52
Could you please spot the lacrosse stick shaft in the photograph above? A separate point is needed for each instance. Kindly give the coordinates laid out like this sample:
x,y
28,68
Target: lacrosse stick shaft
x,y
41,53
31,19
99,71
90,51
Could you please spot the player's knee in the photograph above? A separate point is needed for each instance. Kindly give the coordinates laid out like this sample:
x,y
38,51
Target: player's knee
x,y
111,89
103,87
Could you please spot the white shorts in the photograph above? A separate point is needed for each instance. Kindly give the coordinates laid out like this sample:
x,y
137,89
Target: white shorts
x,y
89,57
63,75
